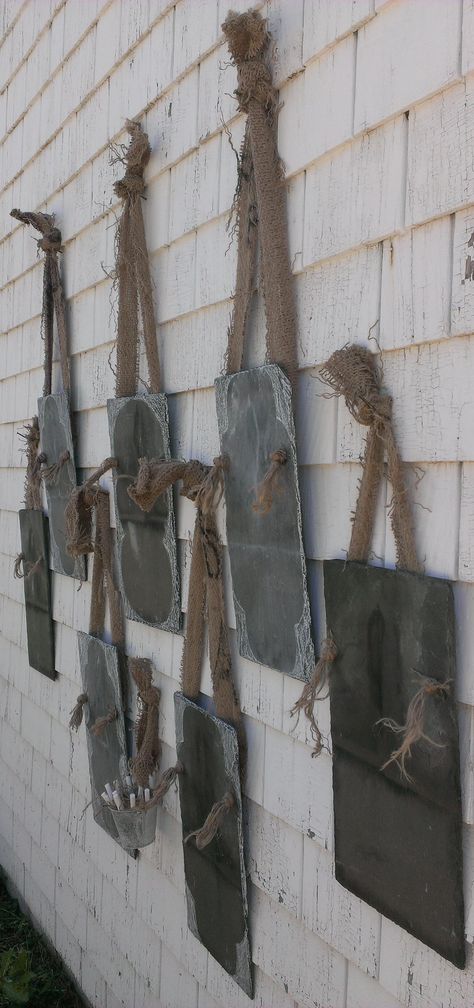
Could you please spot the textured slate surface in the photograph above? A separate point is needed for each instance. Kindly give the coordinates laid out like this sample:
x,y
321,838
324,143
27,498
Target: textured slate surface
x,y
146,542
56,437
101,679
266,551
39,617
398,844
216,885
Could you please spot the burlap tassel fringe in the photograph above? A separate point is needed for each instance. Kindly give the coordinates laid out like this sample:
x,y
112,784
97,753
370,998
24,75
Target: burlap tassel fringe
x,y
312,690
101,723
210,828
413,730
270,484
144,763
77,712
31,437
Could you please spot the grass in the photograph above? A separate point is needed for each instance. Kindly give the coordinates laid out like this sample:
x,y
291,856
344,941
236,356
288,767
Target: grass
x,y
48,985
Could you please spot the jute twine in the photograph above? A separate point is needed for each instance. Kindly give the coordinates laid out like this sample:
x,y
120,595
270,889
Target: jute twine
x,y
102,722
203,485
77,713
53,296
260,200
133,271
146,760
312,691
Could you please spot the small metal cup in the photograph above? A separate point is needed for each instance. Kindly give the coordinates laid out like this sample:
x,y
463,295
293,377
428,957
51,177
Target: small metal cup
x,y
136,827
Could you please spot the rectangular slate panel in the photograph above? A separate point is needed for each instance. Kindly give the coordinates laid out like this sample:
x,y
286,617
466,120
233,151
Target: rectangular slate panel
x,y
37,585
101,678
148,566
216,884
398,843
267,559
56,438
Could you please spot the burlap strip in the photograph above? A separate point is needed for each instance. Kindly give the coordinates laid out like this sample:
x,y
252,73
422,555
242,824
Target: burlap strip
x,y
261,184
133,271
146,760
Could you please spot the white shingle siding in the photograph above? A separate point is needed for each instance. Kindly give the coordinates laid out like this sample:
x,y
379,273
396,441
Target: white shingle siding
x,y
377,135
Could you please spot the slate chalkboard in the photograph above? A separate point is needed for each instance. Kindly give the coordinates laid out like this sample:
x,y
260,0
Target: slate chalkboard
x,y
102,682
146,541
216,884
56,438
398,843
37,585
267,559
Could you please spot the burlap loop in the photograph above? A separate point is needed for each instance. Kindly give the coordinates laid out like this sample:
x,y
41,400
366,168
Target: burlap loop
x,y
103,583
412,731
203,485
144,763
213,823
31,436
133,270
353,373
262,197
312,692
53,296
101,723
270,484
77,713
79,509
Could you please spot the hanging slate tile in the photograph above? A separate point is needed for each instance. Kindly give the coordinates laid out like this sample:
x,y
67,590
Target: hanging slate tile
x,y
267,559
102,682
37,585
56,439
146,541
216,884
398,843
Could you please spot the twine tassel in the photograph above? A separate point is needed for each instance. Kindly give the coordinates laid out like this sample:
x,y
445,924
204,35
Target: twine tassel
x,y
312,690
77,712
413,730
102,722
270,483
209,829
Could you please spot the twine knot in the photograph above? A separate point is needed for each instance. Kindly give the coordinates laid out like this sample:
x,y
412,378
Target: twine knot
x,y
270,483
413,730
75,719
209,829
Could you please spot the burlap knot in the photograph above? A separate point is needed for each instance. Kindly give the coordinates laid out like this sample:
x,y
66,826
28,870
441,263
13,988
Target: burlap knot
x,y
31,436
259,201
77,712
312,691
136,158
53,295
213,823
155,476
133,277
266,490
412,731
144,763
50,473
29,567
